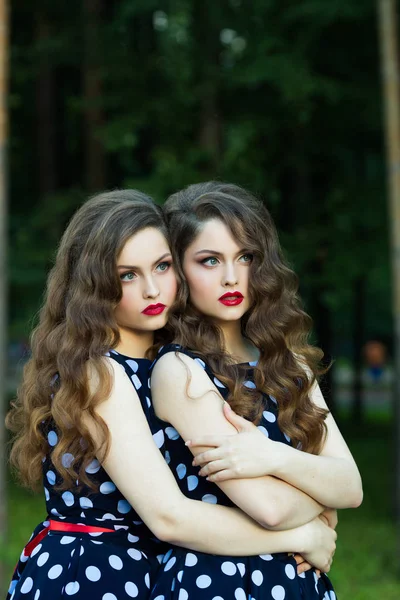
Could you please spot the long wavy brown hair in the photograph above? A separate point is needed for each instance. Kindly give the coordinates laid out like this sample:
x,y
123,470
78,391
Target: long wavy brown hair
x,y
275,323
77,327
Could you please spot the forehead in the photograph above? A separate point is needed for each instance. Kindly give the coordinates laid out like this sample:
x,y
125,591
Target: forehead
x,y
144,247
215,235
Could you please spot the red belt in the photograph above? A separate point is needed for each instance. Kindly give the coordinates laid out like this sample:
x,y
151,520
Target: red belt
x,y
65,527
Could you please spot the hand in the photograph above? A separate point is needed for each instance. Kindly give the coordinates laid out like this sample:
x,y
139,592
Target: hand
x,y
320,544
249,454
303,565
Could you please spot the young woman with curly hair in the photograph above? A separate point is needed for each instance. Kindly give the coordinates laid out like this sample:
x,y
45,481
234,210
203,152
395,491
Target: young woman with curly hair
x,y
241,336
84,423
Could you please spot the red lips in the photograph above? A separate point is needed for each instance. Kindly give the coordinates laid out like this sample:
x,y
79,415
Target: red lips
x,y
154,309
231,298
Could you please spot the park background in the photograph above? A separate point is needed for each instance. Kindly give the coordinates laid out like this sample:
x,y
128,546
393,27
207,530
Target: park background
x,y
283,98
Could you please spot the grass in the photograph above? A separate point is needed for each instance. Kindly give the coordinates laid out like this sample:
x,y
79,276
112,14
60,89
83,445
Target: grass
x,y
366,565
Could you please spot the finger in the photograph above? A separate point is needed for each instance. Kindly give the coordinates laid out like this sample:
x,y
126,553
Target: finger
x,y
224,475
303,567
206,440
206,457
298,558
318,573
238,422
213,467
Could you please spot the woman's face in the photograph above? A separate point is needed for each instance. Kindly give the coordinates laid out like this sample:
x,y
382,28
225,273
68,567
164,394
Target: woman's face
x,y
217,271
148,282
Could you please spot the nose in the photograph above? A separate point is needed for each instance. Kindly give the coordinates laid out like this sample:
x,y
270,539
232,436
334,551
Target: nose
x,y
150,289
229,278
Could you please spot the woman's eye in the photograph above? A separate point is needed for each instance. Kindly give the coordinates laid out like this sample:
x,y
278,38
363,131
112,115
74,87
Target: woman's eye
x,y
164,266
210,262
128,276
246,257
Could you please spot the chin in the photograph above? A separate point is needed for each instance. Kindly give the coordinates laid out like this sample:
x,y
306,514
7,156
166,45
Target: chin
x,y
232,314
157,323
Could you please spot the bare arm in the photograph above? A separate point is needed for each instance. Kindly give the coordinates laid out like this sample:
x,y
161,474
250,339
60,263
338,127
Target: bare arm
x,y
148,484
198,411
331,478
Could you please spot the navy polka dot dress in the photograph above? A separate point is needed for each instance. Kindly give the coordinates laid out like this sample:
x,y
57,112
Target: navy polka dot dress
x,y
189,575
116,565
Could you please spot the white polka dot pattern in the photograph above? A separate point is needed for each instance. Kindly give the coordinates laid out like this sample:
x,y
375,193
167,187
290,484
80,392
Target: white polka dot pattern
x,y
192,482
229,568
67,459
159,438
93,573
209,577
72,588
278,592
115,562
257,577
27,585
131,589
190,560
55,572
290,571
68,498
107,487
124,569
42,559
93,467
204,581
52,438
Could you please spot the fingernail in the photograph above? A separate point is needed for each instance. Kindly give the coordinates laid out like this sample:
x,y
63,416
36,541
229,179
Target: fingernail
x,y
188,442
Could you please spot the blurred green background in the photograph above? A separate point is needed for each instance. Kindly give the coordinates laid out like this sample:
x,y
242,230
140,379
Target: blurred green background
x,y
283,98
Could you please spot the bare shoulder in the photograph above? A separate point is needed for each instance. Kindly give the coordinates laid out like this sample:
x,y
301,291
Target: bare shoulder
x,y
120,385
175,361
179,368
176,380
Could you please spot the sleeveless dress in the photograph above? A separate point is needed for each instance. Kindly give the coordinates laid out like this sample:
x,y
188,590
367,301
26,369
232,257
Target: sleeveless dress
x,y
114,565
190,575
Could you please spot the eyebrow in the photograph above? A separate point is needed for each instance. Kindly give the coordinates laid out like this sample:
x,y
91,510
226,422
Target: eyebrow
x,y
206,251
134,267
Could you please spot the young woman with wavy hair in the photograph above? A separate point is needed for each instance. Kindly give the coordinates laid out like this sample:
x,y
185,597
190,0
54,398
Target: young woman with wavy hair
x,y
240,335
84,423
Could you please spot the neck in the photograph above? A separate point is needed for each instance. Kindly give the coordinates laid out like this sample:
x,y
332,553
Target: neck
x,y
239,347
134,343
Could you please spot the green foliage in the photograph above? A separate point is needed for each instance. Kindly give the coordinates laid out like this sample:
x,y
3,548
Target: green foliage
x,y
283,98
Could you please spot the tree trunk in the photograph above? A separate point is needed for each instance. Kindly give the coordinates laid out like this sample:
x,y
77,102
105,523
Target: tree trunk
x,y
3,274
45,114
207,75
390,76
95,160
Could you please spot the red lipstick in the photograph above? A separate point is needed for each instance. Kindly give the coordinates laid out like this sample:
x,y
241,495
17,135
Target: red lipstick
x,y
154,309
231,298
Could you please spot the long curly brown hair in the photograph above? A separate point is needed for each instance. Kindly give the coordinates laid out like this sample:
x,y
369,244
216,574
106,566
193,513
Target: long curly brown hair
x,y
77,325
275,324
